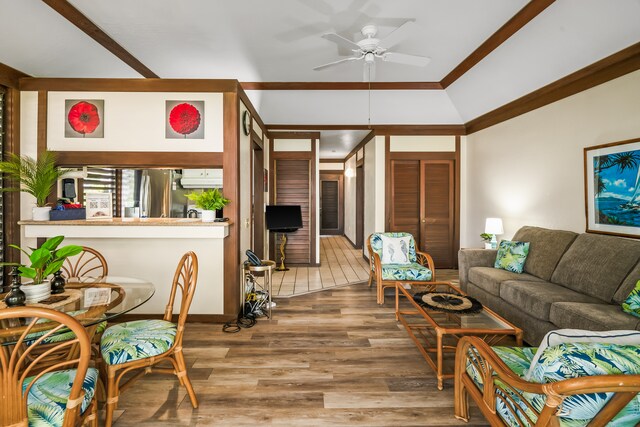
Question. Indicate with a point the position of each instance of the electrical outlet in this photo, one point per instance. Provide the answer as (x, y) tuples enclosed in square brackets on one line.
[(247, 223)]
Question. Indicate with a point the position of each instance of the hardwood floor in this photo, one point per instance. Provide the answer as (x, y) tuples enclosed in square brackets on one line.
[(328, 358), (340, 264)]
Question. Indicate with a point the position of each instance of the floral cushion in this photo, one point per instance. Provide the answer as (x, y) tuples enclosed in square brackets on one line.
[(47, 398), (62, 336), (376, 243), (137, 340), (413, 271), (632, 304), (512, 256), (562, 362)]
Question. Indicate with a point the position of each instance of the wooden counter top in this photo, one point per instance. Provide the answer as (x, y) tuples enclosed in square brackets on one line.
[(171, 222)]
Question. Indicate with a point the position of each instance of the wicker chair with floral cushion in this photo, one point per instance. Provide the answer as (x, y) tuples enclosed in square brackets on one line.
[(572, 384), (52, 388), (415, 266), (142, 344)]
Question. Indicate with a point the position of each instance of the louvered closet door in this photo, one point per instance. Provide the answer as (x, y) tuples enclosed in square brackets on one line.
[(329, 201), (405, 193), (437, 214), (293, 188)]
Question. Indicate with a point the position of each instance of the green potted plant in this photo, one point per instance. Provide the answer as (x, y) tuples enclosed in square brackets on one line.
[(43, 261), (486, 238), (209, 201), (36, 177)]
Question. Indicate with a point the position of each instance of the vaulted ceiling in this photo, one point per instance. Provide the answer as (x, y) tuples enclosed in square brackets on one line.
[(280, 41)]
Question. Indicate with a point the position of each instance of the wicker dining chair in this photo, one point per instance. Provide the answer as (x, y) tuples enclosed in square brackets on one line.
[(35, 391), (146, 343), (88, 263)]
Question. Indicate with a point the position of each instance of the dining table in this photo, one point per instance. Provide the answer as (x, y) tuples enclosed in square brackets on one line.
[(90, 300)]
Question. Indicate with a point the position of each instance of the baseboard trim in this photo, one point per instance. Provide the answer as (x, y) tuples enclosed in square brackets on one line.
[(192, 318), (349, 240)]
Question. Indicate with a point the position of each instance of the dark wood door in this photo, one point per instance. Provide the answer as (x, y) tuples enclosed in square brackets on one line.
[(258, 201), (405, 197), (293, 187), (359, 206), (437, 214), (331, 203)]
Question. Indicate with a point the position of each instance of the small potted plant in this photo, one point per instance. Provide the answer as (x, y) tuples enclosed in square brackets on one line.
[(486, 238), (43, 261), (36, 177), (209, 201)]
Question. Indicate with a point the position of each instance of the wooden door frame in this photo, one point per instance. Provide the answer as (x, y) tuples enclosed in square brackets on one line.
[(256, 145), (359, 206), (329, 175), (449, 155)]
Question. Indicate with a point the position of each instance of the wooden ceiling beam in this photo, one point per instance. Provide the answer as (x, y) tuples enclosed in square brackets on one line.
[(382, 129), (77, 18), (340, 85), (512, 26), (10, 77)]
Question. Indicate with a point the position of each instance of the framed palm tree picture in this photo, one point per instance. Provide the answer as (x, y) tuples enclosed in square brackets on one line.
[(612, 188)]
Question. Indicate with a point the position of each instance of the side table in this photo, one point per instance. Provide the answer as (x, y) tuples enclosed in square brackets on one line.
[(265, 271)]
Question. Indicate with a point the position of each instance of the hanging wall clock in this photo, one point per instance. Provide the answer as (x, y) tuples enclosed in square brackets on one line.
[(246, 122)]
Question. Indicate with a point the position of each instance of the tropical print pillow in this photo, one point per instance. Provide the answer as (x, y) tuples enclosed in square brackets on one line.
[(512, 256), (376, 243), (395, 250), (632, 304)]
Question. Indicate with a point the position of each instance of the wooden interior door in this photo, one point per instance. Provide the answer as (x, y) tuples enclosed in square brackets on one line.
[(437, 211), (257, 201), (405, 197), (359, 206), (293, 187), (331, 203)]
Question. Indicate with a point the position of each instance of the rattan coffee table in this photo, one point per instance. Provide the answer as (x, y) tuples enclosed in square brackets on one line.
[(436, 333)]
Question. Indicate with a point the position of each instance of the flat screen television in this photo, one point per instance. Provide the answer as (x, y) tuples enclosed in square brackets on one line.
[(284, 218)]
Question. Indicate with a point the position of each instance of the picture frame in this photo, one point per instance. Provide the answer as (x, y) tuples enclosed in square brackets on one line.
[(99, 206), (84, 118), (184, 119), (612, 188)]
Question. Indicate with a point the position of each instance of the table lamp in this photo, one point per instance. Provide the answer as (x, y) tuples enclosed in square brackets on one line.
[(493, 226)]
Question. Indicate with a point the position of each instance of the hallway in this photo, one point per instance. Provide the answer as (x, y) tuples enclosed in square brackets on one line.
[(340, 264)]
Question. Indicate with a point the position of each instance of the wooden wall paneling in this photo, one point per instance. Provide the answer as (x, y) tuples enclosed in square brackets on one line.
[(338, 177), (140, 159), (42, 138), (437, 211), (405, 196), (129, 85), (77, 18), (11, 201), (231, 185)]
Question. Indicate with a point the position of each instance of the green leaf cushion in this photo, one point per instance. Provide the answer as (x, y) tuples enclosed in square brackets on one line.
[(47, 399), (632, 304), (376, 243), (512, 256), (137, 340), (413, 271), (518, 359), (65, 335)]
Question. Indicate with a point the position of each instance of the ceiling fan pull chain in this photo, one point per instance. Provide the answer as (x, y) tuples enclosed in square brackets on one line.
[(369, 120)]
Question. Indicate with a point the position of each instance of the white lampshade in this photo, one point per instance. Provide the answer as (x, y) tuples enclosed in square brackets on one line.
[(493, 226)]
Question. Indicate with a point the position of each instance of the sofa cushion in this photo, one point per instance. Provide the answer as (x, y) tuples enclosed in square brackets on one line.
[(595, 317), (413, 271), (596, 265), (546, 247), (489, 278), (632, 304), (627, 285), (536, 298)]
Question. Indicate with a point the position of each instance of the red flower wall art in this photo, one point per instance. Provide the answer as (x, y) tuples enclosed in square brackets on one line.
[(185, 119), (84, 118)]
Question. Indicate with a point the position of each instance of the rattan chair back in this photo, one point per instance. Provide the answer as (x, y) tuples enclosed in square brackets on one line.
[(18, 362), (185, 278), (88, 263)]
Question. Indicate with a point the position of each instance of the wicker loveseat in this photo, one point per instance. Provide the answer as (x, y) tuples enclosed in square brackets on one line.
[(574, 384)]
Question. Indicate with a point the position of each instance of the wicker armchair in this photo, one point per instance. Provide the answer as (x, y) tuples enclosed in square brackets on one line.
[(493, 378), (420, 268)]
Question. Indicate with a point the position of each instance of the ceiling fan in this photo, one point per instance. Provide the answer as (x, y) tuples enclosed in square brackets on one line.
[(370, 48)]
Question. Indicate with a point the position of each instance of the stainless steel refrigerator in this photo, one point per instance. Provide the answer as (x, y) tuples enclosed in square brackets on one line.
[(158, 193)]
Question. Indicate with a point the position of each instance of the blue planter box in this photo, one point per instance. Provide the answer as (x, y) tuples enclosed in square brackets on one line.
[(68, 214)]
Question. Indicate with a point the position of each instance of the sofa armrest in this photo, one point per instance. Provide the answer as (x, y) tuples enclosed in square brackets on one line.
[(468, 258)]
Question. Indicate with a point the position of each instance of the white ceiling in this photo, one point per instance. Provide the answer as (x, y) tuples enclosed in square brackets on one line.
[(336, 144), (280, 40)]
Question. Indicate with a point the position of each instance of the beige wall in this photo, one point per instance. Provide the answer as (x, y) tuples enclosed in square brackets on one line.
[(350, 198), (529, 170), (374, 188)]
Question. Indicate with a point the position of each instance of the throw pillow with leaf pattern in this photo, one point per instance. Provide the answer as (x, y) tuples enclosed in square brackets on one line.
[(632, 304), (512, 256)]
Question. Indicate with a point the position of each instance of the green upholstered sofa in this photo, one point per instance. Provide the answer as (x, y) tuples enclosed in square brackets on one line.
[(570, 280)]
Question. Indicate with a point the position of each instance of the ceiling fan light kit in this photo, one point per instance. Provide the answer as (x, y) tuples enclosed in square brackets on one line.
[(371, 48)]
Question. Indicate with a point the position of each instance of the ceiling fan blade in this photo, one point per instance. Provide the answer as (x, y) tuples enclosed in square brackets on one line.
[(369, 74), (397, 35), (331, 64), (403, 58), (341, 41)]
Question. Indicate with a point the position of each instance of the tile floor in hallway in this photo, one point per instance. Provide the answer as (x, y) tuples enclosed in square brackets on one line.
[(340, 264)]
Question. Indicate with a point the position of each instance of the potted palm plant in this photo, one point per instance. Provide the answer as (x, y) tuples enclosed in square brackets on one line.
[(43, 262), (209, 201), (486, 238), (35, 177)]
